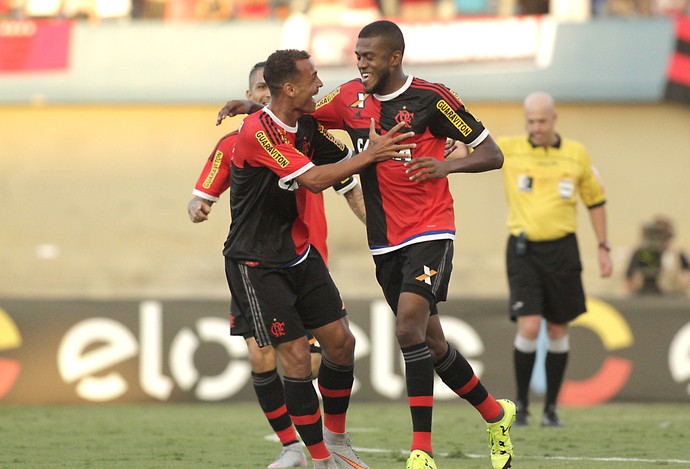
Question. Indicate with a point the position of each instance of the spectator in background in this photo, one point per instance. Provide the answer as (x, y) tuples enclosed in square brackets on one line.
[(656, 268)]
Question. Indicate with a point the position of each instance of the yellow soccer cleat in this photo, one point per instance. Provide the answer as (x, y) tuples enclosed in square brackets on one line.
[(499, 436), (420, 460)]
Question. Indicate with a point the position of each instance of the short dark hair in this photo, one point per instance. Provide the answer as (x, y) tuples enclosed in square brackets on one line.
[(389, 31), (257, 66), (281, 68)]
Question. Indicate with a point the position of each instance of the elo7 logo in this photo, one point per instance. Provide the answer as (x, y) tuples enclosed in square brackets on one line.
[(9, 339)]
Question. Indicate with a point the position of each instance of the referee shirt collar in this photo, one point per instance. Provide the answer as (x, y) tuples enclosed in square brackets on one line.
[(555, 145)]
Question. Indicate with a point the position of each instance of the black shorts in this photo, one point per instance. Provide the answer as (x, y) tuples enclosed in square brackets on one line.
[(283, 304), (546, 280), (421, 268), (240, 327)]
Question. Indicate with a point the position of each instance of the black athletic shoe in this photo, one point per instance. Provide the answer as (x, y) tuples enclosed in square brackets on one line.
[(521, 415), (550, 418)]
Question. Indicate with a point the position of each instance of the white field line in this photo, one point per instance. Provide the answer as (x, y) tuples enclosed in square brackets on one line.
[(272, 437)]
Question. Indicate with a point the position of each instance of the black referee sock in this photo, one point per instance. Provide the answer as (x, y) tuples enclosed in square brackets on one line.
[(524, 364), (555, 371)]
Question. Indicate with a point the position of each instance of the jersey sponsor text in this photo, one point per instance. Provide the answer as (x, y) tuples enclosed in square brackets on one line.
[(453, 117), (271, 150)]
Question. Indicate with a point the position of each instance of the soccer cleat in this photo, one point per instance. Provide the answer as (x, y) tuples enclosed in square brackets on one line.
[(325, 463), (499, 436), (341, 448), (550, 418), (291, 456), (420, 460)]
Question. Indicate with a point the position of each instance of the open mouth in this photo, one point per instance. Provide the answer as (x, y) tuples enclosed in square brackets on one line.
[(366, 76)]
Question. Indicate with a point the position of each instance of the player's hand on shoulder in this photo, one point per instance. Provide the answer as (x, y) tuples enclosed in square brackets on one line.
[(235, 107), (387, 146), (198, 209)]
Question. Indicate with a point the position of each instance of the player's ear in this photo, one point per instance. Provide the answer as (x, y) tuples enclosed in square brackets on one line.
[(396, 58), (289, 89)]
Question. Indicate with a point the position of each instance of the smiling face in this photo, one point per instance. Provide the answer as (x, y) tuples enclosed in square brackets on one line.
[(258, 89), (375, 63), (307, 86)]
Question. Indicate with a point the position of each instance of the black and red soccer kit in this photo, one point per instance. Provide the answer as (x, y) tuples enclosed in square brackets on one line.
[(214, 180), (269, 263), (400, 212)]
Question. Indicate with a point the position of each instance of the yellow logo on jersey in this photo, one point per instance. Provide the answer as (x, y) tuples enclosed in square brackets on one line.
[(271, 150), (331, 138), (217, 158), (328, 98), (453, 117)]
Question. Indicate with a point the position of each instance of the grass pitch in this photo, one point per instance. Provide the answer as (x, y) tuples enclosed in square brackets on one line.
[(237, 436)]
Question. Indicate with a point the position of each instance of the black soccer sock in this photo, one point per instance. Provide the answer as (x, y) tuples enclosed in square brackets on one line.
[(555, 371), (269, 390), (335, 386), (457, 373), (303, 405), (419, 375), (524, 364)]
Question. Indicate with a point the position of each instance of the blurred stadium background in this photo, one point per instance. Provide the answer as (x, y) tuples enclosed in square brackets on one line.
[(107, 112)]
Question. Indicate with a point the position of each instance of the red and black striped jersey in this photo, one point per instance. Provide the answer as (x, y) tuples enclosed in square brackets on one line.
[(214, 180), (399, 211), (270, 213)]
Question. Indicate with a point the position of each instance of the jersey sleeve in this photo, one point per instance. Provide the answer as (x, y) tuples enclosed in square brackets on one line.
[(215, 176), (326, 148), (451, 119), (261, 144), (327, 110), (591, 186), (346, 185)]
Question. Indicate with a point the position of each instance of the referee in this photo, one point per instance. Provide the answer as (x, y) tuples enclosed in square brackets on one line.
[(543, 175)]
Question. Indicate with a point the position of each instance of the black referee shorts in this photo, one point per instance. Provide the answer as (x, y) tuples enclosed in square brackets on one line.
[(546, 279)]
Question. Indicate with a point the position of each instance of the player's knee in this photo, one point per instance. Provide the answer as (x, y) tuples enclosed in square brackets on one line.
[(262, 359)]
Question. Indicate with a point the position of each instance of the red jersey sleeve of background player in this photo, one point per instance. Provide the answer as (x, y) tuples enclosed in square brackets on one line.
[(215, 177), (262, 142), (328, 112)]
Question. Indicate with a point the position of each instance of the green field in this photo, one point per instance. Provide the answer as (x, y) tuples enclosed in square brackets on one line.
[(237, 436)]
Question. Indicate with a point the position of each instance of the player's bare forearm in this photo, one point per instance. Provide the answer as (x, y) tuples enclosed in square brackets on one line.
[(486, 156), (598, 217), (355, 199)]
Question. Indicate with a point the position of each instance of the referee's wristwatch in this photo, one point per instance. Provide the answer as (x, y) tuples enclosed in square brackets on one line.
[(605, 246)]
